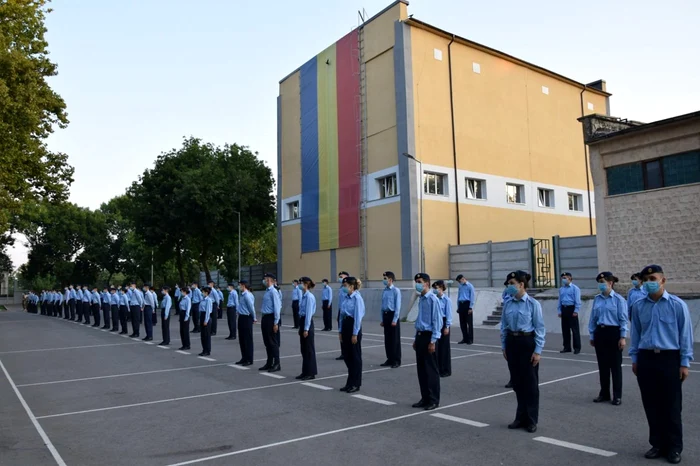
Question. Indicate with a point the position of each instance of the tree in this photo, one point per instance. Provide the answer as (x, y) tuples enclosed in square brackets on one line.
[(29, 111)]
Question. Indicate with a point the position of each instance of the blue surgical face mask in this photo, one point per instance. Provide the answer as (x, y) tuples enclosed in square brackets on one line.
[(386, 282), (300, 287), (564, 281), (602, 287), (512, 290), (345, 290), (264, 282), (419, 287), (651, 287), (635, 283), (436, 291)]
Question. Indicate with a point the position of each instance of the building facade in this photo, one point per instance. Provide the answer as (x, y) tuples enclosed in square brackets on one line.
[(647, 187), (402, 139)]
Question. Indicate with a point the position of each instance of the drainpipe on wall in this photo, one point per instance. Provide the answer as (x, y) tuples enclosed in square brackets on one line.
[(585, 160), (454, 140)]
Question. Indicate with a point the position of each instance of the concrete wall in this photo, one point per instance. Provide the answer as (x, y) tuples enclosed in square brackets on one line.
[(579, 257), (487, 264)]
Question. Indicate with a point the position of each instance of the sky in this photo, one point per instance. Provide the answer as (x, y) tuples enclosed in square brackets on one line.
[(139, 75)]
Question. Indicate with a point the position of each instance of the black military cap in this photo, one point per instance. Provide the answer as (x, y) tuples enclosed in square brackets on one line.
[(422, 276), (112, 289), (567, 274), (305, 279), (650, 269), (270, 275), (349, 279), (459, 277), (166, 288), (344, 273), (232, 284), (146, 285), (518, 275), (243, 282), (206, 289), (389, 274), (604, 276)]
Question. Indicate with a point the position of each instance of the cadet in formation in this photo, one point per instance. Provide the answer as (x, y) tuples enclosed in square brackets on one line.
[(231, 307), (95, 301), (341, 297), (205, 311), (428, 329), (352, 312), (568, 307), (114, 308), (214, 296), (123, 311), (86, 305), (522, 340), (327, 305), (196, 297), (465, 309), (607, 328), (635, 293), (270, 321), (443, 348), (389, 320), (661, 350), (136, 303), (246, 319), (296, 296), (66, 303), (307, 309), (165, 304), (185, 308), (106, 308)]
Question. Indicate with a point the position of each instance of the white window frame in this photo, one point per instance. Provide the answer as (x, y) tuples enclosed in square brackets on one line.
[(442, 176), (578, 199), (470, 193), (520, 193), (290, 210), (382, 186), (545, 198)]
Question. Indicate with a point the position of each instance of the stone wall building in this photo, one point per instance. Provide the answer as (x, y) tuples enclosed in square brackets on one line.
[(646, 179)]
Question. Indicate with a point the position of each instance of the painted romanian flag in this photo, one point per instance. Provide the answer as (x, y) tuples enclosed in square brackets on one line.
[(330, 148)]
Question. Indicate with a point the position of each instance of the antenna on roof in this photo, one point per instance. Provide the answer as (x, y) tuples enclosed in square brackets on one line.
[(362, 15)]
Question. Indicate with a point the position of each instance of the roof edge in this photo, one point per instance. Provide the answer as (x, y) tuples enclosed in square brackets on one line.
[(637, 127)]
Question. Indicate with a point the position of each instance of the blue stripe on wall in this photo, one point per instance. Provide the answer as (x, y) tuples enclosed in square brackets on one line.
[(309, 156)]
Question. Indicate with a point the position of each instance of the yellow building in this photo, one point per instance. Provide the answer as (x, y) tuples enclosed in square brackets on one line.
[(402, 139)]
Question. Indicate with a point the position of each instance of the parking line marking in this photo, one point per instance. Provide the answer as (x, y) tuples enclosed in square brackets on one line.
[(182, 352), (148, 342), (104, 330), (239, 367), (574, 446), (374, 400), (66, 348), (207, 359), (274, 376), (314, 385), (460, 420), (162, 347)]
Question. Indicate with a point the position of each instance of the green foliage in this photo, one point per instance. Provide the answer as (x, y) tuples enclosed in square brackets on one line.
[(29, 110)]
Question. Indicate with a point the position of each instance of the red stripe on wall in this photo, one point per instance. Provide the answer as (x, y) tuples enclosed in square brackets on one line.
[(348, 85)]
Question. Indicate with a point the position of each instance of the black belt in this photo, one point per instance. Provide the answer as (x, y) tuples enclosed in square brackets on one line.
[(520, 334), (607, 326), (388, 311), (659, 351)]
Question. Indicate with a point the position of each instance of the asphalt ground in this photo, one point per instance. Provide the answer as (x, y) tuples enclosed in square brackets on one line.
[(74, 395)]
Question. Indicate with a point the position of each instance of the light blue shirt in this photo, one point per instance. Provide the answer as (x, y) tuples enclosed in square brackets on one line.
[(178, 293), (634, 295), (353, 306), (78, 295), (391, 301), (114, 299), (608, 310), (446, 309), (72, 294), (136, 298), (247, 304), (186, 305), (466, 293), (327, 294), (148, 299), (66, 295), (429, 317), (86, 296), (205, 307), (569, 295), (196, 296), (307, 309), (272, 304), (220, 295), (341, 297), (663, 325), (167, 304), (523, 315), (296, 294), (232, 299), (95, 298)]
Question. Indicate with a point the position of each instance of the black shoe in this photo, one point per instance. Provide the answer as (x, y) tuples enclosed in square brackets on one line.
[(209, 354), (462, 342), (300, 377), (238, 363), (230, 338), (353, 389), (515, 425), (509, 384), (339, 358), (105, 327), (532, 428), (600, 399), (295, 328), (95, 325), (577, 351), (247, 363), (653, 453), (396, 365), (445, 374), (311, 377), (430, 407), (275, 368), (123, 333), (470, 342), (616, 402), (147, 339), (674, 457), (202, 354), (420, 404), (213, 333), (133, 335), (187, 348), (565, 351), (385, 364), (345, 389), (265, 367), (195, 331), (114, 330), (181, 348)]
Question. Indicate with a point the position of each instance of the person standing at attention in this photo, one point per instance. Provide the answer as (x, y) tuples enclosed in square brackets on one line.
[(307, 309), (149, 306), (205, 308), (214, 296), (522, 340), (661, 350), (136, 307), (271, 309), (231, 306), (327, 304), (296, 296), (635, 293), (196, 297), (165, 304), (350, 332), (391, 313), (246, 319), (443, 348), (465, 309), (177, 295), (123, 311), (185, 308), (607, 328), (114, 308), (428, 329), (341, 297), (568, 307)]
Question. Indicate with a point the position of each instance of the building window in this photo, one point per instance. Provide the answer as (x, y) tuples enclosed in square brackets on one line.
[(435, 183), (387, 186), (293, 210), (681, 169), (575, 202), (624, 179), (545, 197), (671, 170), (653, 175), (476, 189), (515, 193)]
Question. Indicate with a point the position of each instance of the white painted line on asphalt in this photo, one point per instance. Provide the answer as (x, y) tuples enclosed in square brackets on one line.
[(361, 426), (274, 376), (460, 420), (574, 446), (162, 347), (103, 329), (374, 400), (239, 367), (66, 348), (47, 441), (206, 359), (182, 352), (126, 336), (315, 385), (148, 342)]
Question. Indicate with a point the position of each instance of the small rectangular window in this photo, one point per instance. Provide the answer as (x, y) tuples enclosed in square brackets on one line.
[(653, 175), (476, 189), (545, 197), (575, 202), (434, 183), (515, 193), (293, 210), (387, 186)]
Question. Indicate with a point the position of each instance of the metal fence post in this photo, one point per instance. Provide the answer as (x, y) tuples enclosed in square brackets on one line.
[(489, 258), (532, 261), (557, 259)]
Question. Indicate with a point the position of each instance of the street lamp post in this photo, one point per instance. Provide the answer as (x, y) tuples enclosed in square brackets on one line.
[(420, 186), (239, 244)]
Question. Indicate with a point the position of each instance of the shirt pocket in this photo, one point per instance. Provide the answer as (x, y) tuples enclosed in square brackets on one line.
[(668, 317), (524, 319)]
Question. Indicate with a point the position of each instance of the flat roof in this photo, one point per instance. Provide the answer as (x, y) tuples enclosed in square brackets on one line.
[(645, 127)]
